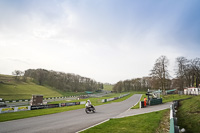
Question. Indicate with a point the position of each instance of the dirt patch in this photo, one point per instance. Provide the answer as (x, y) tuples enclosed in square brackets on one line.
[(196, 112), (164, 125)]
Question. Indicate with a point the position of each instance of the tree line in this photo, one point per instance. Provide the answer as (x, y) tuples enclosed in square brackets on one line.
[(187, 75), (62, 81)]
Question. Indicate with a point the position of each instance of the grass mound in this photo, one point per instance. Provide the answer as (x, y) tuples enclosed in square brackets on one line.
[(11, 89)]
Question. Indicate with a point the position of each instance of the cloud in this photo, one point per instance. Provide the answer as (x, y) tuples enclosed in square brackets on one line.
[(105, 40)]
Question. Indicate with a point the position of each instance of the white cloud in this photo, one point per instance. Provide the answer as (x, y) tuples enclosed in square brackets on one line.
[(92, 40)]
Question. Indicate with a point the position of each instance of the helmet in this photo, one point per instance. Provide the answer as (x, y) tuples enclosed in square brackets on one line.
[(88, 100)]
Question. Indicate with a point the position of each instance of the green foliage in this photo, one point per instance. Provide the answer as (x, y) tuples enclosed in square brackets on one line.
[(137, 84), (145, 123), (189, 115)]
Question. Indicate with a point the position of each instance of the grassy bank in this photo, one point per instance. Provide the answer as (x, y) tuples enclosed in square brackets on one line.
[(107, 87), (11, 89), (24, 91), (172, 97), (189, 115), (145, 123)]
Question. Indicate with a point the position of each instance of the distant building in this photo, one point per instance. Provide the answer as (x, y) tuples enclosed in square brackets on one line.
[(192, 91)]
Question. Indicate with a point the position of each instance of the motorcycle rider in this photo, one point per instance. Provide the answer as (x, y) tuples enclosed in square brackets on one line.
[(88, 104), (89, 107)]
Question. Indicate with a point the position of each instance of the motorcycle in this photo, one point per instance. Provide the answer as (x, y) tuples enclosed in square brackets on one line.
[(90, 109)]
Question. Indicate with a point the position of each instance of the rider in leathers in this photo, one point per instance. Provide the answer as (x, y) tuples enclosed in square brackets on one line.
[(88, 104)]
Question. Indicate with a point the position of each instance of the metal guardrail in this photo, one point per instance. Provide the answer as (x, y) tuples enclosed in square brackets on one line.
[(14, 101), (174, 128), (114, 98)]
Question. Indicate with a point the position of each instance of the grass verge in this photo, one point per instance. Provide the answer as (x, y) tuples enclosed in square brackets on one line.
[(144, 123), (189, 115), (172, 97), (33, 113)]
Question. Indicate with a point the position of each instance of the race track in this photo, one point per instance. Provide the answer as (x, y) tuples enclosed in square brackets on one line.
[(69, 121)]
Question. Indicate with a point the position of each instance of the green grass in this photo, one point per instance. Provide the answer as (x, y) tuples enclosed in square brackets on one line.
[(33, 113), (172, 97), (25, 90), (189, 115), (11, 89), (145, 123), (107, 87)]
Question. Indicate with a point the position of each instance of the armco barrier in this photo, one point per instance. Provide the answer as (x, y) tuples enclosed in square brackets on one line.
[(83, 102), (173, 120), (114, 98), (15, 101)]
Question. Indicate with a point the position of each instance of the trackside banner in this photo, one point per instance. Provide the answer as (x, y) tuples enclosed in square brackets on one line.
[(14, 109)]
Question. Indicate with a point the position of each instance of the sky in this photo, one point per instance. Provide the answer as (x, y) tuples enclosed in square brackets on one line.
[(105, 40)]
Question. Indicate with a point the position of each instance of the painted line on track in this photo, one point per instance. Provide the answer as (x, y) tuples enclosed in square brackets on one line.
[(106, 119), (144, 112), (129, 108), (92, 126)]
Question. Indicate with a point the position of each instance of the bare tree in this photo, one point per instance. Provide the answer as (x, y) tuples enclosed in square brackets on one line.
[(181, 71), (195, 65), (17, 74), (160, 71)]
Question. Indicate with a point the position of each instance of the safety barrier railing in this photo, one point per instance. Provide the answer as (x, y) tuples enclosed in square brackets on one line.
[(173, 120)]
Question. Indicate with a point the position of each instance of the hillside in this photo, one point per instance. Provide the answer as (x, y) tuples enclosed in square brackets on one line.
[(108, 87), (10, 89)]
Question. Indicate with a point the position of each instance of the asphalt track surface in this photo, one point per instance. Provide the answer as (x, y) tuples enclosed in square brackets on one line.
[(69, 121)]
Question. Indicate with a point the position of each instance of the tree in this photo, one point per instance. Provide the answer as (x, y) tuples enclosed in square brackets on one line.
[(63, 81), (160, 71), (17, 74), (195, 65), (118, 87), (181, 71)]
